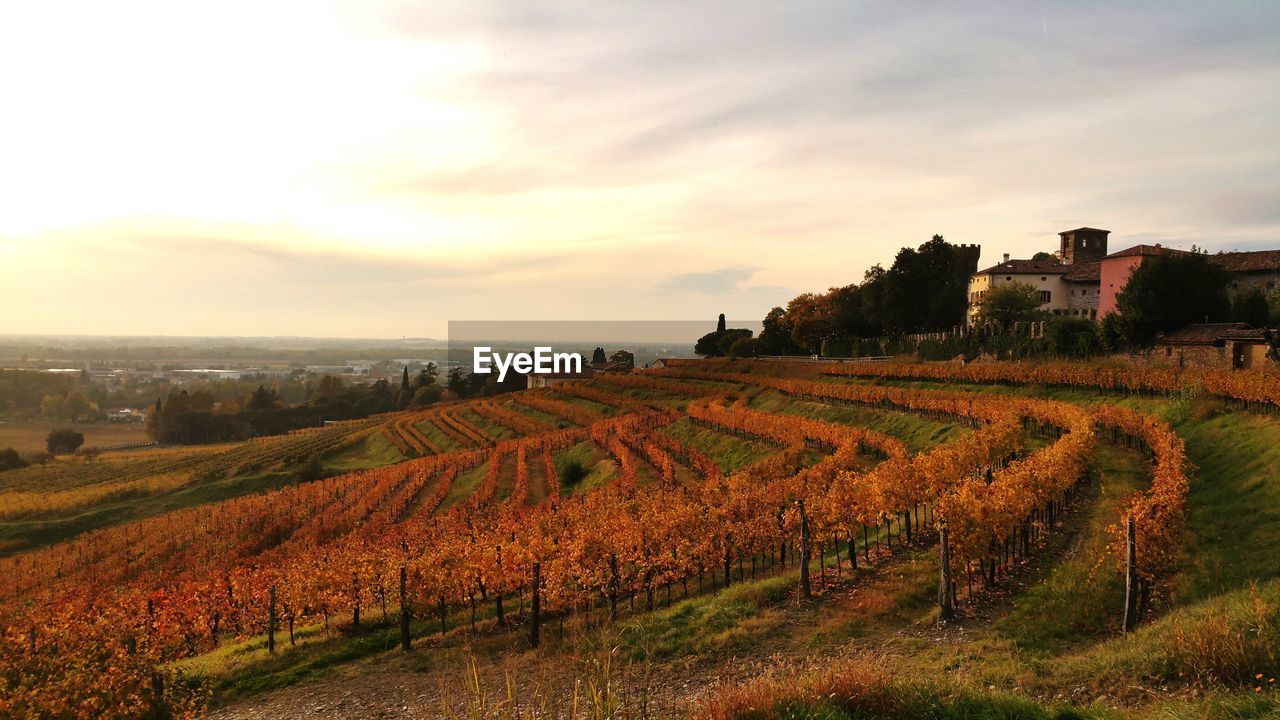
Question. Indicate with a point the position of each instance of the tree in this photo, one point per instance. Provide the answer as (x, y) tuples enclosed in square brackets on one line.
[(329, 386), (1250, 306), (847, 318), (404, 380), (775, 334), (925, 289), (1168, 291), (1044, 257), (810, 318), (1009, 302), (426, 395), (874, 284), (53, 406), (717, 344), (598, 356), (75, 405), (720, 323), (744, 347), (10, 460), (263, 398), (1072, 337), (456, 381), (63, 440), (426, 376)]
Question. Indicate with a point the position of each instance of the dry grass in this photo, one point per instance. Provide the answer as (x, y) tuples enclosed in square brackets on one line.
[(28, 437)]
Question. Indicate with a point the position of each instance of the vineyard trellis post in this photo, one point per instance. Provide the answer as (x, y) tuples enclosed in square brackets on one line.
[(271, 620), (405, 610), (1130, 576), (613, 586), (804, 551), (536, 604), (946, 610)]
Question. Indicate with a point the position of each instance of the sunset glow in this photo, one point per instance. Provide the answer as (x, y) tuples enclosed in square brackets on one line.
[(376, 169)]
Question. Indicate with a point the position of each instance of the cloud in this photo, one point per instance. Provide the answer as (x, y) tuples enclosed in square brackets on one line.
[(713, 282), (384, 166)]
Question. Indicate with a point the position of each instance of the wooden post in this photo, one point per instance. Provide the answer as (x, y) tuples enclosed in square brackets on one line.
[(536, 604), (613, 586), (502, 616), (271, 620), (804, 552), (355, 595), (946, 610), (1131, 576), (405, 610)]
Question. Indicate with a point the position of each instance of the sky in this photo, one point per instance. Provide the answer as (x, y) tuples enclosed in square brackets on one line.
[(377, 169)]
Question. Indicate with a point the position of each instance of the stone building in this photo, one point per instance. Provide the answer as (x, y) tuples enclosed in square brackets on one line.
[(1213, 345)]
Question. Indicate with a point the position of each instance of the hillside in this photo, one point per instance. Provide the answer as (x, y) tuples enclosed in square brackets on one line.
[(720, 539)]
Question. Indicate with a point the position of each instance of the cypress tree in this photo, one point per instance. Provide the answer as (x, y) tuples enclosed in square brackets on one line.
[(720, 323), (404, 379)]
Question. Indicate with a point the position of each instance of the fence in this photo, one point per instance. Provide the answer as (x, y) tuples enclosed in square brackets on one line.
[(821, 359)]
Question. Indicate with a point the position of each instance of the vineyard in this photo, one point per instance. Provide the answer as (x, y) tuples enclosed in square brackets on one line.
[(464, 520)]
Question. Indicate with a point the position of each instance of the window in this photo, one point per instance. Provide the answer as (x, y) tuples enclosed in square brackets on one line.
[(1008, 277), (1043, 278), (1045, 296)]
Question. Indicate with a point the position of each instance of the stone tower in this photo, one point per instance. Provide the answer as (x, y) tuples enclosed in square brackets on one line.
[(1083, 245), (967, 257)]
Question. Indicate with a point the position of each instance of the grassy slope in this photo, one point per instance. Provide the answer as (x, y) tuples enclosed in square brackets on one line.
[(29, 437), (729, 452), (373, 450)]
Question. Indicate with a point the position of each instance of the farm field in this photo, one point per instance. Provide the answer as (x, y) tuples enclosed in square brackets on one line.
[(714, 539), (29, 436)]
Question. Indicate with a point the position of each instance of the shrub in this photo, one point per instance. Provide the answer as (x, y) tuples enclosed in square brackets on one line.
[(63, 440), (572, 474), (10, 460)]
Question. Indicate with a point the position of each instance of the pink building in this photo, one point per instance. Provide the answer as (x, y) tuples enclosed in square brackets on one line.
[(1258, 268), (1116, 269)]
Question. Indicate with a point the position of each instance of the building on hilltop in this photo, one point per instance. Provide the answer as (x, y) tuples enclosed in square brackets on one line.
[(1044, 275), (1068, 284), (1084, 280), (1251, 269)]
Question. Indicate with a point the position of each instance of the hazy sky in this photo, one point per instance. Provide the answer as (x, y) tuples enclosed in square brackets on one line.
[(376, 169)]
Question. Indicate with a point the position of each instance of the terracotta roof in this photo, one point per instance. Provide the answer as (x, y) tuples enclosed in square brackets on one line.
[(1026, 267), (1256, 261), (1143, 250), (1212, 333), (1236, 262), (1090, 272)]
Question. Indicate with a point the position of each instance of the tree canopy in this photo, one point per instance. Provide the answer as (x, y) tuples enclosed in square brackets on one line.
[(63, 440), (1009, 302), (1169, 291)]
